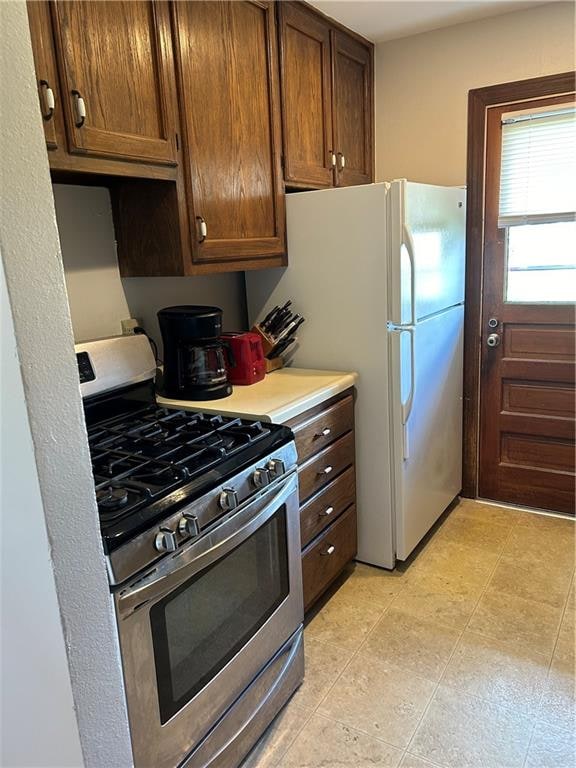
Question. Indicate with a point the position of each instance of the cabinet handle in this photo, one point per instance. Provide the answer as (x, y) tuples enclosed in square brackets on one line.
[(326, 512), (49, 101), (342, 161), (331, 549), (202, 228), (332, 157), (325, 471), (80, 107), (324, 433)]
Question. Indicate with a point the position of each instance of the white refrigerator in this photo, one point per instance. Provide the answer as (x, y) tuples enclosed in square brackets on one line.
[(378, 272)]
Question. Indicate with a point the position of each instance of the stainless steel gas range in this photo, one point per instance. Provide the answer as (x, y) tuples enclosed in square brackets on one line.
[(199, 519)]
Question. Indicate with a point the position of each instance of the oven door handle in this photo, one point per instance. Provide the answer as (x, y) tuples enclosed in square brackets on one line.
[(201, 554)]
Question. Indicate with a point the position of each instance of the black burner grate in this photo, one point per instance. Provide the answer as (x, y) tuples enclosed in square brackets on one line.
[(145, 456)]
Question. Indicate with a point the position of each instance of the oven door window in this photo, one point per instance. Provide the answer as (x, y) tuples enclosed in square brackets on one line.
[(203, 623)]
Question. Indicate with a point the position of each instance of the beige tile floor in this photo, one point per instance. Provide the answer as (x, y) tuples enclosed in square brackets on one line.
[(463, 658)]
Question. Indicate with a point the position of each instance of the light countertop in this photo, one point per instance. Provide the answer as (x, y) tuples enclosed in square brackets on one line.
[(281, 395)]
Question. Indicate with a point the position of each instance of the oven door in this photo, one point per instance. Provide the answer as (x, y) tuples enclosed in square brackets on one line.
[(195, 632)]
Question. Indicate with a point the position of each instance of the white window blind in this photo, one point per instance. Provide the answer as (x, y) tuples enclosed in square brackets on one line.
[(538, 167)]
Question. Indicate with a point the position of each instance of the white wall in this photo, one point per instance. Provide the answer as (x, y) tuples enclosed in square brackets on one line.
[(422, 85), (44, 343), (99, 299), (36, 692)]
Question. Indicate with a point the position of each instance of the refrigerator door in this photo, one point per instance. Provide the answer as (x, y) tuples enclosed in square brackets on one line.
[(337, 279), (427, 249), (426, 415)]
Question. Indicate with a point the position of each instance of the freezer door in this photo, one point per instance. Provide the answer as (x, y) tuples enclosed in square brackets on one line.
[(426, 409), (427, 249)]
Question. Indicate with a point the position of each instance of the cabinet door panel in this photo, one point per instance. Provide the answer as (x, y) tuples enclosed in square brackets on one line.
[(46, 72), (352, 102), (117, 57), (229, 92), (306, 84)]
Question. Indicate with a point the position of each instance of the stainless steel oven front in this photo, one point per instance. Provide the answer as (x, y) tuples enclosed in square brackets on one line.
[(198, 631)]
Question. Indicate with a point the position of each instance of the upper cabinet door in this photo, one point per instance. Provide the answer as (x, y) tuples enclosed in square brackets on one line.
[(306, 81), (117, 79), (227, 58), (46, 73), (352, 100)]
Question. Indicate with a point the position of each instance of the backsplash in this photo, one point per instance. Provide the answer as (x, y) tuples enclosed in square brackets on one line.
[(100, 299)]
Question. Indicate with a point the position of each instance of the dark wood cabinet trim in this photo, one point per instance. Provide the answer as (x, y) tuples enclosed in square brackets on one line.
[(479, 100), (331, 22)]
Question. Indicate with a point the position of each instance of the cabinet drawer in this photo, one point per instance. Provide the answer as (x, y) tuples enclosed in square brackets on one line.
[(324, 559), (322, 468), (315, 515), (322, 429)]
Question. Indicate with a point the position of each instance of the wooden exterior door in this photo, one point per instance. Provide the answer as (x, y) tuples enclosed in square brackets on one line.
[(527, 426), (352, 110), (306, 80), (116, 67), (46, 73), (228, 65)]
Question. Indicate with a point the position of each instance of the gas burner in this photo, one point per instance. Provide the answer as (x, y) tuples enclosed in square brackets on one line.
[(112, 498)]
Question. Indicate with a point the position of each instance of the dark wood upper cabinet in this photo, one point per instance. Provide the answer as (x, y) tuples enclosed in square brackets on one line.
[(229, 104), (352, 99), (327, 88), (46, 74), (116, 71), (306, 76)]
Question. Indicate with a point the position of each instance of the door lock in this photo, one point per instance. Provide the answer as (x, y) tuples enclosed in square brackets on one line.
[(493, 323), (493, 340)]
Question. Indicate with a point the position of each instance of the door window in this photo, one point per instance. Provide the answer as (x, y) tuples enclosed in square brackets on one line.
[(200, 626), (537, 204)]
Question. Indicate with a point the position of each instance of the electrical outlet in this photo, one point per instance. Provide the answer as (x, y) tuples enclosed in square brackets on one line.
[(128, 326)]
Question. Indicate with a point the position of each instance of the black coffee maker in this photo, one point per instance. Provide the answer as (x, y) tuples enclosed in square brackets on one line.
[(194, 361)]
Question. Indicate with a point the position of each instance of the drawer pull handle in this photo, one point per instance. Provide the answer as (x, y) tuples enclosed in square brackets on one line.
[(324, 433), (331, 549), (326, 512), (325, 471)]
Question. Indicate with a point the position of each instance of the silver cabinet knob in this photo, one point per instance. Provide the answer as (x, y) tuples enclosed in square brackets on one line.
[(189, 525), (327, 512), (325, 471), (331, 549), (276, 467), (493, 340), (228, 499), (165, 540), (261, 477), (324, 433)]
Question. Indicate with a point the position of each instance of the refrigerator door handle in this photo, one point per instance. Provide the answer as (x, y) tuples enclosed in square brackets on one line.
[(407, 406), (408, 243)]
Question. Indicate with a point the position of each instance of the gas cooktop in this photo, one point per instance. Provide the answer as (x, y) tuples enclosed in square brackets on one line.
[(157, 458)]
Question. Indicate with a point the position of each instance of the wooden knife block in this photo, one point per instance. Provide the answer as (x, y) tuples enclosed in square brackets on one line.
[(274, 363)]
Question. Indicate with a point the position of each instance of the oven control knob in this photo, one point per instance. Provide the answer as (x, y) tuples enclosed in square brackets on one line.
[(261, 477), (228, 499), (276, 467), (189, 525), (165, 540)]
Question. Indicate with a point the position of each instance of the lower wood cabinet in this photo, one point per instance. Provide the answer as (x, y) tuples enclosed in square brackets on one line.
[(327, 555), (326, 474)]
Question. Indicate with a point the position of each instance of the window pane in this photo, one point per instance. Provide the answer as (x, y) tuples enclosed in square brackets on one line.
[(541, 263)]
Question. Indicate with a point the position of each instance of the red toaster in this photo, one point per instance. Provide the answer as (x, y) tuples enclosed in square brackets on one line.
[(245, 358)]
